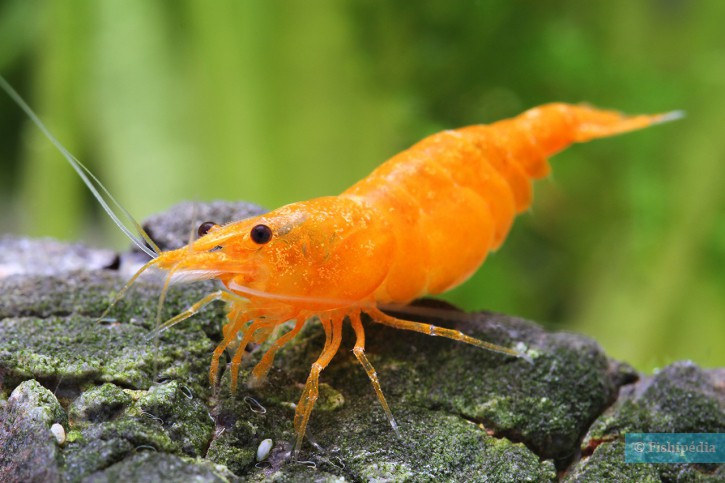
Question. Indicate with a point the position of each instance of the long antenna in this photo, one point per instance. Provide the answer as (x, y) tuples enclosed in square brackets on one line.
[(142, 241)]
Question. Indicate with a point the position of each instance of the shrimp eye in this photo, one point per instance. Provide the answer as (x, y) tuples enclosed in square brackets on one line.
[(205, 227), (261, 234)]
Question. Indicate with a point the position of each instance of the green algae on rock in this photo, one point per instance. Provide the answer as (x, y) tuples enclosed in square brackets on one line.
[(151, 467), (51, 332), (109, 421), (681, 398), (547, 405)]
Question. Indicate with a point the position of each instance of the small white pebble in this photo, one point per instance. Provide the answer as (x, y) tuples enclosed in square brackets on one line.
[(264, 448), (58, 432)]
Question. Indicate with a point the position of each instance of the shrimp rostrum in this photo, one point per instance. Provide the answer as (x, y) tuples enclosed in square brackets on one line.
[(420, 224)]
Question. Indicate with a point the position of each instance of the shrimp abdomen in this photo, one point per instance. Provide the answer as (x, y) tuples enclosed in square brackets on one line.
[(451, 198)]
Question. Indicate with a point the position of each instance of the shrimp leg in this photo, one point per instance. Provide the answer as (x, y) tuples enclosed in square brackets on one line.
[(238, 315), (430, 329), (230, 329), (239, 353), (311, 391), (327, 328), (230, 332), (260, 371), (212, 297), (359, 352)]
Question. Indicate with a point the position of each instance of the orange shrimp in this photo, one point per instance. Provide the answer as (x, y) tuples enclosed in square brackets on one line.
[(420, 224)]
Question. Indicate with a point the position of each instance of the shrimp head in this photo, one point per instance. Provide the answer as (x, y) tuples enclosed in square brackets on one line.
[(307, 254)]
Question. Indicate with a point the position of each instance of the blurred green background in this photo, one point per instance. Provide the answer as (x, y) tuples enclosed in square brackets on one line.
[(275, 102)]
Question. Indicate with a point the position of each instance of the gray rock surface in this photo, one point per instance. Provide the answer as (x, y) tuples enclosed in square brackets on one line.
[(681, 398), (138, 406), (25, 256), (28, 449)]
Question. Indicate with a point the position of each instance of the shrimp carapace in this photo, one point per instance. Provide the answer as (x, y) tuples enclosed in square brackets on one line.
[(419, 224)]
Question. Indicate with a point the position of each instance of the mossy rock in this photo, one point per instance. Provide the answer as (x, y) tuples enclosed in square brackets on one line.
[(681, 398), (140, 407)]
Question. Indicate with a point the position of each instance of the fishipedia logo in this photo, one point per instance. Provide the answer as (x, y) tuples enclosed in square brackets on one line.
[(674, 448)]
